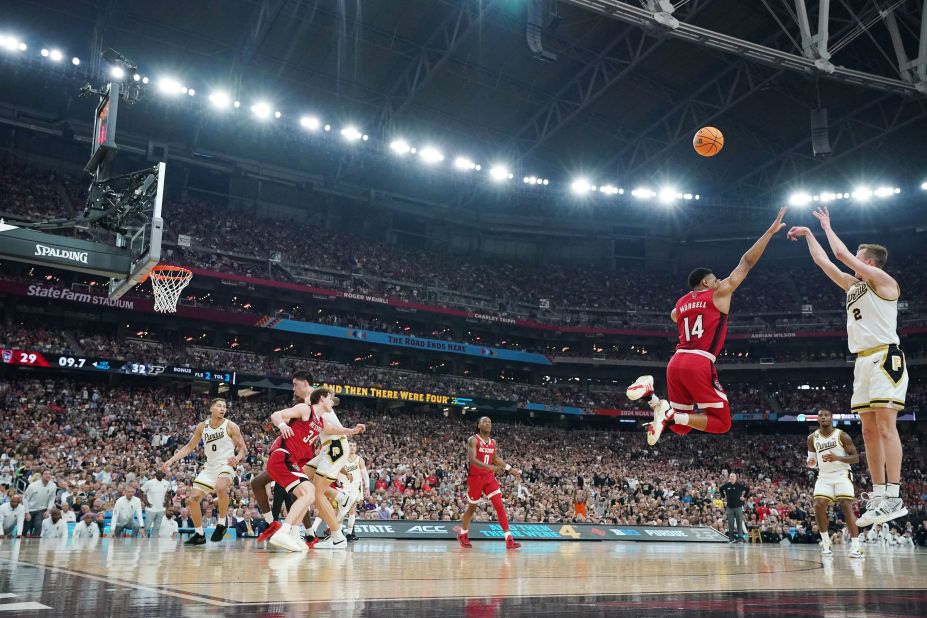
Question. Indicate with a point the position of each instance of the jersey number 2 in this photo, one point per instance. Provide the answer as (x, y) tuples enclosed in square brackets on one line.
[(857, 314), (696, 331)]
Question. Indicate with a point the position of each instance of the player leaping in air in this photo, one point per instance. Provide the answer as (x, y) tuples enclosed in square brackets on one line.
[(691, 377), (485, 462)]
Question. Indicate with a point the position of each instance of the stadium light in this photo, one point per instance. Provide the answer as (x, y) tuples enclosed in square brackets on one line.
[(581, 186), (75, 61), (884, 192), (191, 92), (277, 114), (351, 133), (667, 195), (463, 163), (137, 77), (11, 43), (431, 155), (862, 194), (145, 81), (400, 147), (310, 122), (609, 190), (169, 85), (499, 173), (643, 193), (117, 73), (220, 99), (924, 186), (55, 55), (261, 110), (799, 199)]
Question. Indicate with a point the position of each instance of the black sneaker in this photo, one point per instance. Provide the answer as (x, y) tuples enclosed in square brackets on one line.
[(351, 537), (196, 539), (218, 533)]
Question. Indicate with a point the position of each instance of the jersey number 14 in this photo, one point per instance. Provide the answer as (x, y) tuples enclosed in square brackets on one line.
[(696, 331)]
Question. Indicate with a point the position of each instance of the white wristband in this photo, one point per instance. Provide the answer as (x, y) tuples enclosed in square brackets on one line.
[(281, 424), (508, 467)]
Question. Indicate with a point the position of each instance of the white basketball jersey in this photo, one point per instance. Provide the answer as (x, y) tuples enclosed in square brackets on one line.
[(354, 468), (218, 445), (830, 444), (871, 320)]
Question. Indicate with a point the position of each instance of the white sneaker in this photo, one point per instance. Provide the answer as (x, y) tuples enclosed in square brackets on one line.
[(881, 509), (857, 551), (642, 387), (872, 503), (661, 414), (335, 541), (285, 540), (826, 550), (342, 499)]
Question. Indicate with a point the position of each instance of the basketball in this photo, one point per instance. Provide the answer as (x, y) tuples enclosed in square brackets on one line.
[(708, 141)]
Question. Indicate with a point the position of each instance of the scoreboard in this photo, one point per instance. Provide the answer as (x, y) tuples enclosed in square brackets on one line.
[(47, 360)]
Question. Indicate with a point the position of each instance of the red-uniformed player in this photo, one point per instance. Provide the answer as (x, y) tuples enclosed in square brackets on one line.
[(485, 462), (691, 378), (299, 427)]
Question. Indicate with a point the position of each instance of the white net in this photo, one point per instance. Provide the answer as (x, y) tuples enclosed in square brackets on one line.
[(168, 282)]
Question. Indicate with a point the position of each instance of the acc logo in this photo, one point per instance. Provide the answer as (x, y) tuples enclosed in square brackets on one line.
[(7, 355), (624, 532), (427, 530)]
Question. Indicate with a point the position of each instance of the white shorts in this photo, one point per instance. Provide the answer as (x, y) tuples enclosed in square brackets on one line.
[(331, 459), (208, 477), (880, 379), (835, 487)]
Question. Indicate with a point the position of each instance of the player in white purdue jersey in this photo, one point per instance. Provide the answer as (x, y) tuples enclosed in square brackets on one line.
[(225, 448), (357, 488), (832, 451), (327, 465), (880, 377)]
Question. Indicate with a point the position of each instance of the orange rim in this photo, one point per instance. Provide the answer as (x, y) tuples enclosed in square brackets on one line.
[(168, 273)]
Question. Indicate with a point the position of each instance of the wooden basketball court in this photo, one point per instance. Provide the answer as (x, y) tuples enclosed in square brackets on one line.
[(147, 577)]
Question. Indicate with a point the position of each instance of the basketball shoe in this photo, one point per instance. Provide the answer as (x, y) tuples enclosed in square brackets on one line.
[(285, 540), (641, 389), (511, 543), (218, 533), (856, 550), (335, 541), (662, 417), (269, 532), (464, 540), (196, 539), (880, 509), (826, 550)]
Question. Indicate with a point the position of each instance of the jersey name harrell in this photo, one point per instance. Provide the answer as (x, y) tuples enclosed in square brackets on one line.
[(856, 292), (213, 437), (696, 305)]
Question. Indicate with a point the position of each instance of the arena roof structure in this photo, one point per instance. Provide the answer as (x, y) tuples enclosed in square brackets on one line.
[(612, 90)]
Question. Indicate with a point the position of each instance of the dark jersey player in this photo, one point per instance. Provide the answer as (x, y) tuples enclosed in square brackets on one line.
[(691, 377)]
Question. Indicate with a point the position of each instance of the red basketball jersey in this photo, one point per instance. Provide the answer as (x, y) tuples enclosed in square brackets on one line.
[(701, 326), (485, 453), (301, 445)]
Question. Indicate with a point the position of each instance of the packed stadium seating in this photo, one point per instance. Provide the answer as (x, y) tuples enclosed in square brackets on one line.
[(110, 435)]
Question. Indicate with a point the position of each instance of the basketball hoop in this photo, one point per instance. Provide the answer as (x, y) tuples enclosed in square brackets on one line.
[(168, 282)]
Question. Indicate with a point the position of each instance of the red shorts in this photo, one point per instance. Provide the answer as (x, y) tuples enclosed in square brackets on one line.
[(483, 484), (284, 470), (692, 381)]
